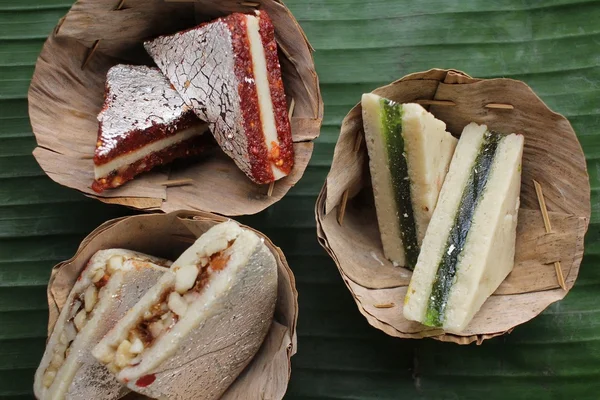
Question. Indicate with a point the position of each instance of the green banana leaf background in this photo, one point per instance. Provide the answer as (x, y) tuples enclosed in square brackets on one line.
[(553, 45)]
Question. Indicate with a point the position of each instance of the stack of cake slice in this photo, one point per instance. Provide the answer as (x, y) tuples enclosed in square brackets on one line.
[(225, 72), (449, 215)]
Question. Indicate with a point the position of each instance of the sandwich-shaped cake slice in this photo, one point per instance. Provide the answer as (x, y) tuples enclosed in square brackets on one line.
[(409, 154), (112, 282), (191, 335), (228, 72), (143, 123), (469, 247)]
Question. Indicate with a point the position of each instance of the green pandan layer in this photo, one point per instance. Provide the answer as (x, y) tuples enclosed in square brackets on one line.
[(457, 237), (391, 119)]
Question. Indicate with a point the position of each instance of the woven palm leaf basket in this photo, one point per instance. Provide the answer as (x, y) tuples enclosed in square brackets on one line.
[(552, 220)]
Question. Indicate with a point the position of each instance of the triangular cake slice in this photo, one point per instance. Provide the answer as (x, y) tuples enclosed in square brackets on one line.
[(409, 153), (469, 247), (111, 283), (143, 123), (228, 72)]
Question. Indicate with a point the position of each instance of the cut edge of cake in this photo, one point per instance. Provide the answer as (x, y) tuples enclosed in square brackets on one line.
[(427, 150), (467, 290), (383, 192)]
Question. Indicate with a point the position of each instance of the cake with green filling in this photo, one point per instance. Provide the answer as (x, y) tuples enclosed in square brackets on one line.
[(469, 247), (409, 154)]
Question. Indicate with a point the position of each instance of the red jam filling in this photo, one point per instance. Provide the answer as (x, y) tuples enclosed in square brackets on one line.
[(146, 380), (285, 160)]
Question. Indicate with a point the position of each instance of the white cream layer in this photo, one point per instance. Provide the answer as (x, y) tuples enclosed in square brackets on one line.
[(100, 171), (265, 104)]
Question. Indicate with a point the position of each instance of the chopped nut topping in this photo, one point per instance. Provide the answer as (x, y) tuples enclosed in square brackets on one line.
[(80, 320), (177, 304), (190, 280), (98, 275), (115, 263), (136, 346), (90, 297), (81, 307), (185, 278), (49, 377), (123, 355)]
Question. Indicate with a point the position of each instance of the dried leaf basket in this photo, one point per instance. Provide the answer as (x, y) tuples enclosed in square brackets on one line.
[(167, 235), (67, 90), (553, 218)]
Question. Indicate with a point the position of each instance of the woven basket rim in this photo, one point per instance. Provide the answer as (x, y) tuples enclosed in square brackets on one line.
[(173, 190)]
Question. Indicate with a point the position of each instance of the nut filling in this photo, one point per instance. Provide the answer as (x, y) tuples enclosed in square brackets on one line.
[(190, 280), (81, 311)]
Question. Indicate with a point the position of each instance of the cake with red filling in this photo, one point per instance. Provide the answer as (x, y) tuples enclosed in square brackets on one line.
[(143, 123), (228, 72)]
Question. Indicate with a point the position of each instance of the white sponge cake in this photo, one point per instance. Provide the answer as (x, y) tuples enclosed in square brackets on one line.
[(409, 153), (470, 244)]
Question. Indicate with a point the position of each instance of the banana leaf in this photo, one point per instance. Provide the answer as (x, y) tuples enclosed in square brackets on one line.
[(552, 45)]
